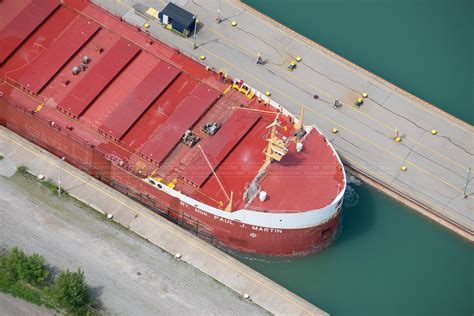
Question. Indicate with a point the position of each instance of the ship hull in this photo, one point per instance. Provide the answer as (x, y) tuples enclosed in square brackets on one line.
[(218, 230)]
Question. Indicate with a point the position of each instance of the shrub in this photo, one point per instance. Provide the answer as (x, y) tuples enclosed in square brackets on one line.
[(71, 292), (17, 266)]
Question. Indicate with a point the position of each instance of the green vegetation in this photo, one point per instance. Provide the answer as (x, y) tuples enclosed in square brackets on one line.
[(71, 292), (27, 277), (1, 157), (53, 187), (22, 169)]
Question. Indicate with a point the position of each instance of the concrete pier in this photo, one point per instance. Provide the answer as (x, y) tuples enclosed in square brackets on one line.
[(425, 169)]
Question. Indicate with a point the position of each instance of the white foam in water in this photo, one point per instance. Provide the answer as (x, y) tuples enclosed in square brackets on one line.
[(353, 180), (351, 198)]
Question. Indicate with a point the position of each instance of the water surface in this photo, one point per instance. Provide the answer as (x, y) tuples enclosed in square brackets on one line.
[(389, 260)]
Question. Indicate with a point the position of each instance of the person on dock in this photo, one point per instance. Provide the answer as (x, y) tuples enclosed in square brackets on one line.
[(259, 59)]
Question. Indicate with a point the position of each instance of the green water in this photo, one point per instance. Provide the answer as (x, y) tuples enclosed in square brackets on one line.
[(389, 260)]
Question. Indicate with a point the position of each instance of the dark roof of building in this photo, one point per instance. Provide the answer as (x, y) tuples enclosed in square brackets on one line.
[(178, 14)]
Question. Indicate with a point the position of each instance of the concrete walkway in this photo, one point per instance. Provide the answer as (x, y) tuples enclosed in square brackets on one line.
[(173, 239), (436, 164)]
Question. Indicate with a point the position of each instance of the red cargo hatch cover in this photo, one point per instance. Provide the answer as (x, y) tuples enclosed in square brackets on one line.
[(139, 100), (17, 31), (220, 145), (61, 50), (98, 77), (162, 141)]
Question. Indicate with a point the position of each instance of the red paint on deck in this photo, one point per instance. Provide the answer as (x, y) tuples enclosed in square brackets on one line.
[(98, 77), (25, 23), (10, 9), (240, 167), (139, 99), (314, 175), (220, 145), (159, 112), (159, 145), (58, 53)]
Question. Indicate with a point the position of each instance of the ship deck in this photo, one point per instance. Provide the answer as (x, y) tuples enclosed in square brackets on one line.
[(136, 97)]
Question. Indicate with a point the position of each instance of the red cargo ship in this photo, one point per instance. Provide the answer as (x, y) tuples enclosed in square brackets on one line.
[(204, 150)]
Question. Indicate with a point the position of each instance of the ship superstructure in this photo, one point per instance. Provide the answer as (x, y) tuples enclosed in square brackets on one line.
[(197, 146)]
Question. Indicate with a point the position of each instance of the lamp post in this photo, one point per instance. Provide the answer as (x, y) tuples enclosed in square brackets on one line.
[(59, 176), (195, 30), (467, 183), (219, 19)]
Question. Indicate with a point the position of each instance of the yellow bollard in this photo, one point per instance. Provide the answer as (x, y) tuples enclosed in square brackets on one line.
[(298, 59), (146, 25), (434, 132), (202, 57), (404, 168), (268, 93), (334, 130), (398, 139), (234, 23), (365, 95)]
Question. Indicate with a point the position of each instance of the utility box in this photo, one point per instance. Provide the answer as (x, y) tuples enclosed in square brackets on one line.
[(178, 19)]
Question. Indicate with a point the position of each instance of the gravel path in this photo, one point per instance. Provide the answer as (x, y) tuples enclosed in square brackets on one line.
[(128, 274), (13, 306)]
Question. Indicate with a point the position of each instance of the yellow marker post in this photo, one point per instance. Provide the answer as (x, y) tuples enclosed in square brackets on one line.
[(234, 23), (434, 132), (334, 130), (404, 168), (268, 93), (202, 57)]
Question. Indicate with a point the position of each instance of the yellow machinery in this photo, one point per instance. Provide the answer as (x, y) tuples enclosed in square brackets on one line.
[(244, 89)]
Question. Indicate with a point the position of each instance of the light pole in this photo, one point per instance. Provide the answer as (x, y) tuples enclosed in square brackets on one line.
[(467, 182), (195, 30), (218, 19), (59, 176)]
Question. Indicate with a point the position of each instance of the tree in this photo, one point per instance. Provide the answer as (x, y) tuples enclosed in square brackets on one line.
[(17, 266), (71, 292)]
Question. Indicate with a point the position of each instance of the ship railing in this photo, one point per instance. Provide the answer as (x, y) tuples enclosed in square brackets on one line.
[(52, 124), (192, 224), (20, 107), (257, 209), (23, 88)]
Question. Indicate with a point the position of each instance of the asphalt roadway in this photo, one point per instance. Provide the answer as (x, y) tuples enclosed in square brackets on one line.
[(436, 165)]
